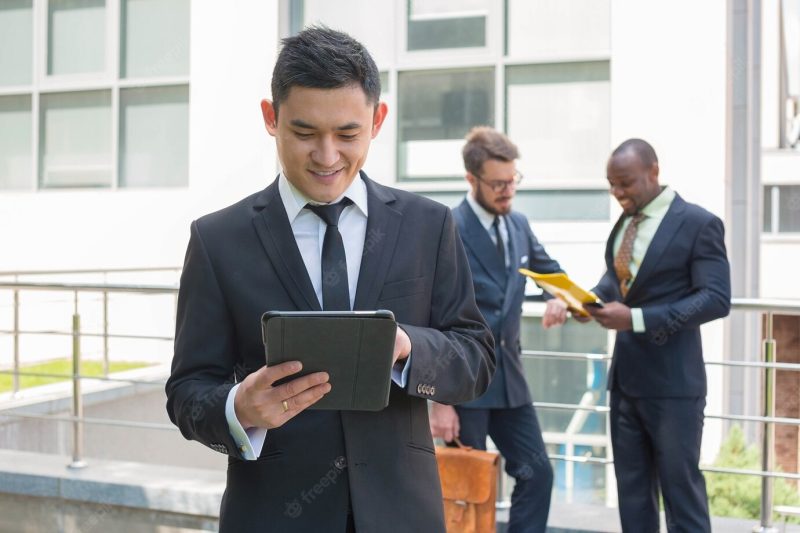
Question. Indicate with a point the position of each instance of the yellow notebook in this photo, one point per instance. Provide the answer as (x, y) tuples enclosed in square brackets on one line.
[(560, 286)]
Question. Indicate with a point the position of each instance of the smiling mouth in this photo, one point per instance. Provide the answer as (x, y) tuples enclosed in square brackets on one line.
[(325, 173)]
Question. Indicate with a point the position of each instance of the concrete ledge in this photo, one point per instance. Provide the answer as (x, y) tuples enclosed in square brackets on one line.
[(168, 489)]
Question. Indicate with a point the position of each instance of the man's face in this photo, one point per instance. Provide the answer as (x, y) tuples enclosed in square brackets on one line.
[(632, 183), (323, 136), (495, 187)]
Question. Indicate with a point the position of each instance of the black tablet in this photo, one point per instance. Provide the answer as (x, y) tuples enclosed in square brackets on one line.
[(354, 347)]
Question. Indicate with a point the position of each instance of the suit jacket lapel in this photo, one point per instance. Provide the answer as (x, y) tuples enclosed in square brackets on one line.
[(275, 233), (383, 228), (666, 231), (477, 239)]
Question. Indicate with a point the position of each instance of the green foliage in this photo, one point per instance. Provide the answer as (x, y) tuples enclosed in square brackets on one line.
[(739, 496), (62, 367)]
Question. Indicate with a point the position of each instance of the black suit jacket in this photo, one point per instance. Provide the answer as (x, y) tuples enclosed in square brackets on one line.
[(683, 282), (500, 291), (243, 261)]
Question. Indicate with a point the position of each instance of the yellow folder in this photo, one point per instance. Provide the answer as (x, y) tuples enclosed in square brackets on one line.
[(560, 286)]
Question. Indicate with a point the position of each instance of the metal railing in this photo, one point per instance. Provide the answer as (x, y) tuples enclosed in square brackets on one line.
[(767, 365)]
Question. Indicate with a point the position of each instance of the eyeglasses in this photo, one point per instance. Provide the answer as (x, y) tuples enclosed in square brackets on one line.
[(501, 185)]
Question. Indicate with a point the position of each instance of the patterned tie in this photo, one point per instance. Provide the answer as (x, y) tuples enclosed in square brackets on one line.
[(501, 249), (622, 260), (335, 291)]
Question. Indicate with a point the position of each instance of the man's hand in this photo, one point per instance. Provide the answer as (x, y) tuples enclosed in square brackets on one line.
[(555, 313), (613, 315), (444, 421), (402, 345), (260, 404)]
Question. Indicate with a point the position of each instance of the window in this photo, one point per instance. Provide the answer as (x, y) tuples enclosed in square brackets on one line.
[(101, 119), (557, 28), (558, 114), (441, 24), (782, 209), (436, 110), (16, 42)]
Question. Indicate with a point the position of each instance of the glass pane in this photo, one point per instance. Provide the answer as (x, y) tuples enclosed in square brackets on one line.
[(789, 208), (549, 205), (155, 38), (447, 24), (436, 110), (75, 138), (566, 381), (554, 108), (16, 162), (371, 22), (154, 137), (77, 36), (558, 27), (767, 209), (16, 42)]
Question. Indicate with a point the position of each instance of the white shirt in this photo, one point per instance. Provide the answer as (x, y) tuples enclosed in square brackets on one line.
[(309, 234), (487, 221)]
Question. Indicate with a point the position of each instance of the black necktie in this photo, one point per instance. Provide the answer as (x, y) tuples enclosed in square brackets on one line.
[(501, 249), (335, 292)]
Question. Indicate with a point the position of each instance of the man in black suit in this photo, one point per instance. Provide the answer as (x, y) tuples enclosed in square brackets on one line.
[(324, 236), (667, 274), (498, 242)]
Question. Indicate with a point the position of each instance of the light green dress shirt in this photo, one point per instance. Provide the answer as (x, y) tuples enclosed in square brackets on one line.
[(654, 213)]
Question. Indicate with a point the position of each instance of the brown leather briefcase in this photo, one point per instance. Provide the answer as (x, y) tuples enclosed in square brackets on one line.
[(469, 488)]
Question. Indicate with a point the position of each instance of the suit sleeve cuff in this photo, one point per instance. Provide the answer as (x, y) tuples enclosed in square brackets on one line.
[(637, 318), (250, 441), (400, 372)]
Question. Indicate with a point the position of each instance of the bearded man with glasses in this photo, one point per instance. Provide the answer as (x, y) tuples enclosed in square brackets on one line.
[(499, 241)]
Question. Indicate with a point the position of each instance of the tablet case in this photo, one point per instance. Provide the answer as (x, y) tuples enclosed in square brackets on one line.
[(354, 347)]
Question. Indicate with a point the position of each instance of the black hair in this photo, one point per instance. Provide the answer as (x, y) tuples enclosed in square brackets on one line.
[(321, 58), (642, 148)]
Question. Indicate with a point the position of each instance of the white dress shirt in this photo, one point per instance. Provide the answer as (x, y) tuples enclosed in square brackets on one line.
[(487, 220), (309, 234)]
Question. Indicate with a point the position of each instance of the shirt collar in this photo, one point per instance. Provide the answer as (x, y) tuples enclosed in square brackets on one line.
[(485, 217), (658, 206), (294, 200)]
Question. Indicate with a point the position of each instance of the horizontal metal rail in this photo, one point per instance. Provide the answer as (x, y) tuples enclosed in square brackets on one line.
[(16, 273), (759, 473), (84, 376), (91, 420), (90, 287), (530, 354), (47, 332)]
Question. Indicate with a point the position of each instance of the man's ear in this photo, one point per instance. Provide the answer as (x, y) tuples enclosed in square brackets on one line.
[(381, 110), (473, 181), (654, 173), (270, 117)]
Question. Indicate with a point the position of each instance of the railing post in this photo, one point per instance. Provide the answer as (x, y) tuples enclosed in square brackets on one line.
[(105, 334), (767, 442), (77, 399), (15, 386)]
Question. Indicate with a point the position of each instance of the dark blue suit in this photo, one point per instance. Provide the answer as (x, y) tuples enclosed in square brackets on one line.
[(657, 378), (505, 412)]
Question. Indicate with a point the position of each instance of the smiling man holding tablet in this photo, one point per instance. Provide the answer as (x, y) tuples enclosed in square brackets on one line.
[(323, 236)]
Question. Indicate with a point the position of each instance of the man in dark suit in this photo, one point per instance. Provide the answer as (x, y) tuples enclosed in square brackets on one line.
[(499, 241), (324, 236), (667, 274)]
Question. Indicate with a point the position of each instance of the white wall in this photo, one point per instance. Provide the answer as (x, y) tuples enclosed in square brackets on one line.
[(668, 86), (233, 46)]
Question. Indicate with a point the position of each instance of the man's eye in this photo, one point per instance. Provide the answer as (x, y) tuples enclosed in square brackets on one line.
[(303, 135), (348, 136)]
